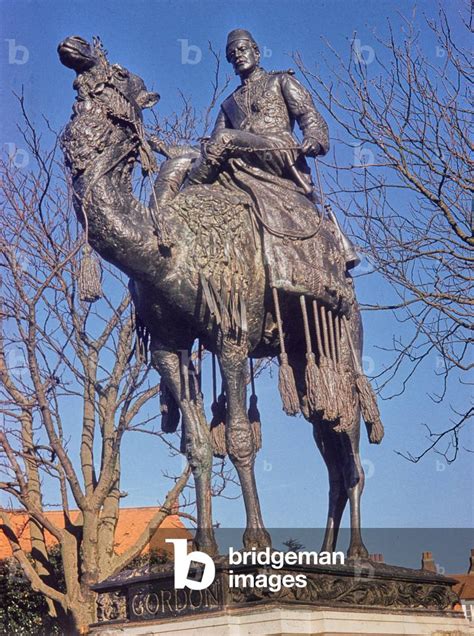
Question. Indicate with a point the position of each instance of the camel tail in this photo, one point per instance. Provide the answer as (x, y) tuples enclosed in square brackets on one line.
[(370, 410)]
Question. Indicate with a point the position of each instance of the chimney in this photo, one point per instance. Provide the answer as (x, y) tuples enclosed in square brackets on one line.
[(427, 562), (471, 562)]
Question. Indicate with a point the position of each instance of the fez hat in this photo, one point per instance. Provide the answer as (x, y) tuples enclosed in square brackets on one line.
[(240, 34)]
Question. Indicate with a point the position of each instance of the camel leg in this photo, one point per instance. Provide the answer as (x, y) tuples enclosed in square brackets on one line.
[(354, 480), (340, 452), (329, 445), (240, 441), (354, 477), (197, 439)]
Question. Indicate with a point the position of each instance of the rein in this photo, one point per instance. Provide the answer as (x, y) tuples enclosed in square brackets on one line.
[(147, 159), (149, 166)]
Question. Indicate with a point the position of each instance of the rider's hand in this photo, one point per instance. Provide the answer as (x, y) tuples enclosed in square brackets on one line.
[(157, 145), (311, 147)]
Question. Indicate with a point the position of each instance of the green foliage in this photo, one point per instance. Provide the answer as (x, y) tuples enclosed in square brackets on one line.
[(24, 612), (149, 559)]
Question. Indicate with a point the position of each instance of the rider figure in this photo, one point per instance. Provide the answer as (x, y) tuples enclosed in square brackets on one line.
[(255, 124), (256, 121)]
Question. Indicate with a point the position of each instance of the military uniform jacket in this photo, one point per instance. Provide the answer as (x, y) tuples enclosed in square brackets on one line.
[(268, 104)]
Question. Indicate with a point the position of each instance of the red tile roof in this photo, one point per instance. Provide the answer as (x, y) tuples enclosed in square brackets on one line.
[(131, 523), (465, 587)]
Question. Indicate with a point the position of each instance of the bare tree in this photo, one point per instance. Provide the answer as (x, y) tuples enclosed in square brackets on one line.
[(71, 389), (189, 126), (59, 353), (402, 173)]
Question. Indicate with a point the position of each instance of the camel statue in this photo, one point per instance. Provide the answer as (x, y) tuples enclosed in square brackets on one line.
[(196, 269)]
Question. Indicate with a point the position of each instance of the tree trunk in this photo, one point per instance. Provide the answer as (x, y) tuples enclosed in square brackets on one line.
[(78, 619)]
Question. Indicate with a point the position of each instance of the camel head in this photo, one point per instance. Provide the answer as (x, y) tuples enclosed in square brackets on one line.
[(109, 102), (76, 53), (95, 75)]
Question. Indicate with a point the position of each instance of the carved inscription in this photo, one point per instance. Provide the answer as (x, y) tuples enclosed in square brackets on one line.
[(151, 601)]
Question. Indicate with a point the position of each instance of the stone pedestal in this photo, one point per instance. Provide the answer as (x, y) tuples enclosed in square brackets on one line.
[(296, 621), (356, 598)]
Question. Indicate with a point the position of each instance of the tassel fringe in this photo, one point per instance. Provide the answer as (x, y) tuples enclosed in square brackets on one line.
[(367, 399), (370, 410), (255, 422), (217, 432), (287, 387), (257, 435), (313, 384), (182, 445), (347, 400), (328, 390), (90, 276), (143, 340)]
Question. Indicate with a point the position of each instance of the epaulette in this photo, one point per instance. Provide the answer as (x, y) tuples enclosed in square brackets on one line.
[(289, 71)]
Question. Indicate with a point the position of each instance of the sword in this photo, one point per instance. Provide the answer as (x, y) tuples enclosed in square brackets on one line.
[(308, 189)]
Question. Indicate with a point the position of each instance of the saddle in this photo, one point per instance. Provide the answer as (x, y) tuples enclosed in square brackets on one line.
[(305, 256), (304, 251)]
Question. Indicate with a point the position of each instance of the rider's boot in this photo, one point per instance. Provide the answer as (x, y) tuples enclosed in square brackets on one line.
[(207, 167), (170, 179), (204, 170)]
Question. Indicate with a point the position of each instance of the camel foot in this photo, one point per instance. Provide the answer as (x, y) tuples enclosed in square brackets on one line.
[(204, 541), (257, 538), (357, 552)]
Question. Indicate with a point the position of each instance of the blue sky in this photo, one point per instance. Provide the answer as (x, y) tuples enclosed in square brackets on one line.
[(152, 38)]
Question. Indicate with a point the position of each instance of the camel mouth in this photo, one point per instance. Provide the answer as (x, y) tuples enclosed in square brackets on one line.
[(76, 53), (147, 99)]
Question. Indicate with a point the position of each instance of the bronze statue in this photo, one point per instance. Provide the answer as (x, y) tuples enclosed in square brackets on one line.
[(210, 261), (253, 145), (255, 123)]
